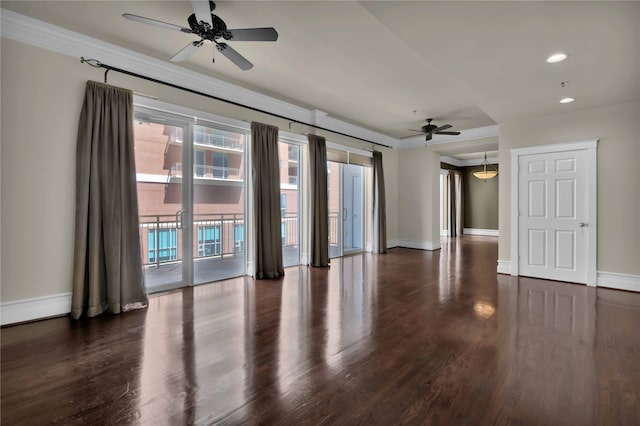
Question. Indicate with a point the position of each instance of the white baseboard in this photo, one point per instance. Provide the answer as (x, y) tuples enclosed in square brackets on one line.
[(478, 231), (619, 281), (35, 308), (422, 245), (392, 243), (504, 267), (605, 279)]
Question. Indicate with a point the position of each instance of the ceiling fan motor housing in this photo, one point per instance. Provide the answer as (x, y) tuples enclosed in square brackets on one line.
[(428, 128), (219, 29)]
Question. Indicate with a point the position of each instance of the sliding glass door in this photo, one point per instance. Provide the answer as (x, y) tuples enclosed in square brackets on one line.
[(161, 201), (352, 207), (346, 204), (334, 188), (289, 155), (191, 196), (218, 230)]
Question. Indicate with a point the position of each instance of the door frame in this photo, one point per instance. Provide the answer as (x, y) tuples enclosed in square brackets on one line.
[(592, 190)]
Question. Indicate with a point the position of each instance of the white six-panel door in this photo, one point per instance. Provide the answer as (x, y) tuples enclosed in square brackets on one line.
[(553, 222)]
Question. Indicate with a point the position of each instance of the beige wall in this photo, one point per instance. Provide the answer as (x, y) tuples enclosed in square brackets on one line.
[(42, 93), (41, 100), (418, 187), (480, 199), (617, 127)]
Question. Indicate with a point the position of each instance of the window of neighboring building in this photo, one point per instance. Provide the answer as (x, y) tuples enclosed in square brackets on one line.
[(238, 238), (220, 165), (209, 243), (163, 245), (199, 164)]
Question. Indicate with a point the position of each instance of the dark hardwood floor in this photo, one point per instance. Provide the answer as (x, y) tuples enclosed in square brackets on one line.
[(410, 337)]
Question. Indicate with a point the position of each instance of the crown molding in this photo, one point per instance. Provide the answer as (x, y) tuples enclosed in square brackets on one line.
[(15, 26), (467, 163), (450, 160)]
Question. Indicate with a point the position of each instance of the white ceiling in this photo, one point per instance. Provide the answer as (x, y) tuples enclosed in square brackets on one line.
[(470, 64)]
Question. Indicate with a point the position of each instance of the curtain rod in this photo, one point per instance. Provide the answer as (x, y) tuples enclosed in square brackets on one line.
[(97, 64)]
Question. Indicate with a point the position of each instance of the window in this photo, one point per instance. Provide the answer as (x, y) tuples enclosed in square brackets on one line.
[(209, 243), (220, 165), (199, 165), (163, 245), (238, 238)]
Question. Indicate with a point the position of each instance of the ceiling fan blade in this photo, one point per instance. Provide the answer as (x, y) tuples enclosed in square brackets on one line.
[(202, 11), (445, 127), (156, 23), (254, 34), (414, 130), (447, 133), (187, 51), (234, 56)]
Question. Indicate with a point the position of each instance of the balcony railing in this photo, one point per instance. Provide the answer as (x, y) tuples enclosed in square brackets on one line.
[(215, 235), (176, 135), (289, 229), (205, 171), (221, 140)]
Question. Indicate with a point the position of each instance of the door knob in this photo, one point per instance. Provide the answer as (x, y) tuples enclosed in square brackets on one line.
[(582, 224)]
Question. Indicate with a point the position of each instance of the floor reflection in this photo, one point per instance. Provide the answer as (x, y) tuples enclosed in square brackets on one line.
[(409, 337), (349, 310), (295, 324), (449, 278), (550, 345)]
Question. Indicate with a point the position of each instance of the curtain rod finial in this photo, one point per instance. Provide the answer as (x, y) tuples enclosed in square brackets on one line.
[(92, 62)]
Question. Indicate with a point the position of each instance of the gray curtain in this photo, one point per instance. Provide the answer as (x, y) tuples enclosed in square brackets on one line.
[(319, 205), (107, 270), (456, 207), (379, 206), (266, 201)]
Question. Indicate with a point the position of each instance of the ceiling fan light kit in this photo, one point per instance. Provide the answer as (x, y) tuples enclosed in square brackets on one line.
[(211, 28), (486, 173)]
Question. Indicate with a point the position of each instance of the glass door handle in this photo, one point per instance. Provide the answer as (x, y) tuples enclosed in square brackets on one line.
[(582, 224)]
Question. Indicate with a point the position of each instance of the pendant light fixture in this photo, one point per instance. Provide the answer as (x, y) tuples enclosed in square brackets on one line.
[(486, 174)]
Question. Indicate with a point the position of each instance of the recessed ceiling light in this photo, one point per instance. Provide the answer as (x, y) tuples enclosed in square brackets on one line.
[(557, 57), (566, 100)]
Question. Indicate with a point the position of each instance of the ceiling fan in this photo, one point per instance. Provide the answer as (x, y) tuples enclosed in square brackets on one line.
[(430, 129), (210, 28)]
